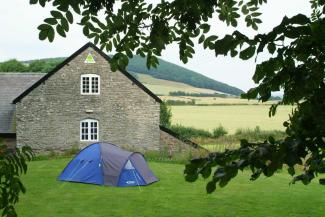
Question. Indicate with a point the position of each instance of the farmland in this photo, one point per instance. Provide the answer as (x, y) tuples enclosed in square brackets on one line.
[(171, 196), (232, 117), (163, 87)]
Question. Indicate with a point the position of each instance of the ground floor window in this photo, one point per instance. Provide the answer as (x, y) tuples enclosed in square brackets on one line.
[(89, 130)]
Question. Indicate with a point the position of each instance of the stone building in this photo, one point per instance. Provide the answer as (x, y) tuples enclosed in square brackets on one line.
[(78, 103)]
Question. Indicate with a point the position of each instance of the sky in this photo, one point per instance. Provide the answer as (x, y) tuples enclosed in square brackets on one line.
[(19, 40)]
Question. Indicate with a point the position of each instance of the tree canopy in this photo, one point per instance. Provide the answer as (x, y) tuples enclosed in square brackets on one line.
[(296, 49)]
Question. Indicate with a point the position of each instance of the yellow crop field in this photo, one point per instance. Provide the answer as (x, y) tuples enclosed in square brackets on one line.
[(231, 117)]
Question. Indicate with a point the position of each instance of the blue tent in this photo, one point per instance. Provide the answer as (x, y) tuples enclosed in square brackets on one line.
[(107, 164)]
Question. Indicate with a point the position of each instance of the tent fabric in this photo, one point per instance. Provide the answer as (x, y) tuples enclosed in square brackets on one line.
[(107, 164)]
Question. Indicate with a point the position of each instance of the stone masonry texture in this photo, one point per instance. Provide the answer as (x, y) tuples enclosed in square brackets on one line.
[(48, 118)]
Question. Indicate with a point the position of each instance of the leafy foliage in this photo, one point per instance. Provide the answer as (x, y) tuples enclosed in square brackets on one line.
[(219, 131), (165, 114), (190, 132), (296, 64), (44, 65), (13, 66), (12, 165), (136, 27)]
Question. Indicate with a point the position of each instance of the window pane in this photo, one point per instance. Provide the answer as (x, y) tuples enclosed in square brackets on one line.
[(94, 84), (85, 85), (84, 130)]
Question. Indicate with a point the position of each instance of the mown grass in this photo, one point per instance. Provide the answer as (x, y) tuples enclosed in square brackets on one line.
[(230, 117), (171, 196)]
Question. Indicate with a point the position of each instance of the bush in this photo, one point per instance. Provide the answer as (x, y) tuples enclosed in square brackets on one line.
[(165, 115), (180, 102), (190, 132), (257, 134), (219, 131)]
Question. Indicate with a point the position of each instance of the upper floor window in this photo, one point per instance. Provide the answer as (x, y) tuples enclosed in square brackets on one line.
[(89, 130), (90, 84)]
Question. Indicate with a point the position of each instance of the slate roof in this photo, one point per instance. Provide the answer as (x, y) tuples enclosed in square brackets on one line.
[(11, 86)]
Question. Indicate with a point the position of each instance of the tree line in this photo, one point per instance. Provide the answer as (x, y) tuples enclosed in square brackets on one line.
[(42, 66)]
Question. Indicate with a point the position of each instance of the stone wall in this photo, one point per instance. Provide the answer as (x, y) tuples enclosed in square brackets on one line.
[(48, 118), (171, 142)]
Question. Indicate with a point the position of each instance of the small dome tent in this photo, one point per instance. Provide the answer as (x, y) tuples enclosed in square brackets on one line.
[(107, 164)]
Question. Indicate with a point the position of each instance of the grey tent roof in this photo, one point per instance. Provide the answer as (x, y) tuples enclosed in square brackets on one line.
[(11, 86), (114, 159)]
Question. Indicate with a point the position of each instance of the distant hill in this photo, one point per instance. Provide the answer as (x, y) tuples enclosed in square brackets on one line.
[(165, 71), (163, 87), (173, 72)]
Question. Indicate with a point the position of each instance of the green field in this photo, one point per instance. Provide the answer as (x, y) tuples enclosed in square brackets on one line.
[(231, 117), (171, 196)]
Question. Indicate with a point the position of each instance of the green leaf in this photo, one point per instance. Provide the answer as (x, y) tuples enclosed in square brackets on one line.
[(33, 2), (69, 17), (42, 3), (65, 24), (201, 39), (247, 53), (205, 27), (206, 172), (271, 47), (211, 187), (291, 171), (43, 26), (322, 181), (60, 30), (56, 14), (233, 53), (51, 21), (211, 38), (245, 10), (85, 31), (299, 19), (42, 35), (75, 6), (51, 34), (256, 14)]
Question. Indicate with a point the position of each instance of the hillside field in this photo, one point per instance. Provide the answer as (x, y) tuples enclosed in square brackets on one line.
[(231, 117), (216, 100), (163, 87), (171, 196)]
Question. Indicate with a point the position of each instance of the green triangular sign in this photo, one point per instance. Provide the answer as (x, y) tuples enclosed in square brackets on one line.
[(90, 59)]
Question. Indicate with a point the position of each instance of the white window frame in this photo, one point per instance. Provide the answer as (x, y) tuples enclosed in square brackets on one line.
[(89, 132), (90, 77)]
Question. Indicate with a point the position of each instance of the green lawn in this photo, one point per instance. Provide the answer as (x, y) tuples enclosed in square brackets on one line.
[(231, 117), (171, 196)]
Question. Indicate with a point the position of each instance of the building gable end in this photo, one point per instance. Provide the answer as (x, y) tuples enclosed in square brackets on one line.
[(70, 58)]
